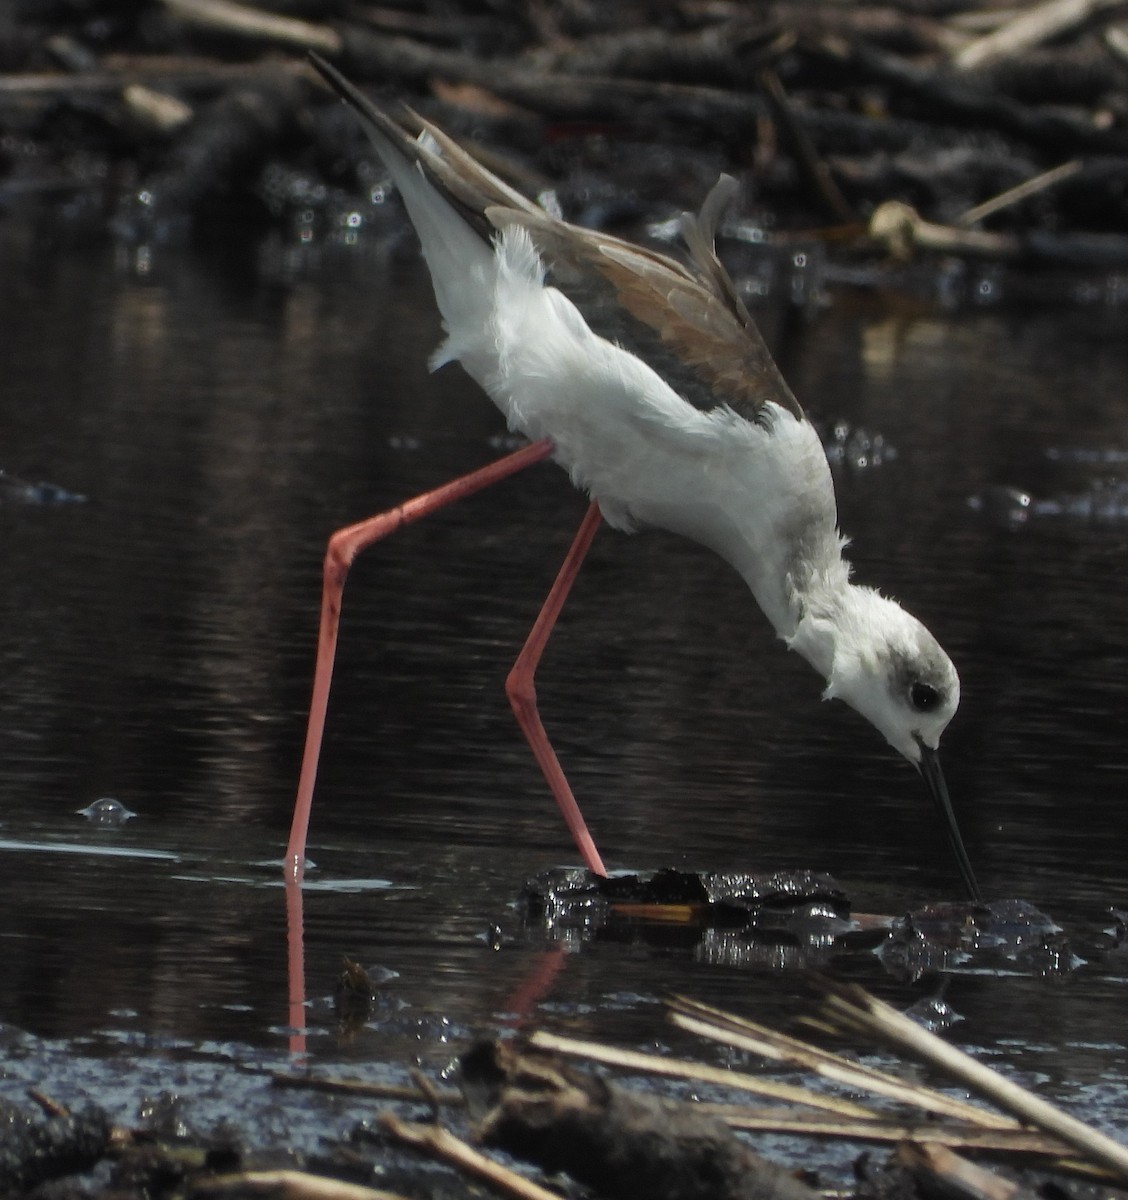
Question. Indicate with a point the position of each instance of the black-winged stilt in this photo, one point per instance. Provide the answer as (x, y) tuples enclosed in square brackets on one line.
[(647, 380)]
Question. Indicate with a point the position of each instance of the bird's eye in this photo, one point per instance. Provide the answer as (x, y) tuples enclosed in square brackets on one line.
[(923, 697)]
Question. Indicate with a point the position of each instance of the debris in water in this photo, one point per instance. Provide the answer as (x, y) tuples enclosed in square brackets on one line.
[(792, 920), (620, 1142), (732, 918), (1006, 936), (19, 491), (352, 996), (728, 898)]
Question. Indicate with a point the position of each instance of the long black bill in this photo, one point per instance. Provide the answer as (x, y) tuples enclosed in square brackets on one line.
[(934, 777)]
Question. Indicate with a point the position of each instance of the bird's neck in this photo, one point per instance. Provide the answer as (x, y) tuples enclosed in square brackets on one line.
[(822, 600)]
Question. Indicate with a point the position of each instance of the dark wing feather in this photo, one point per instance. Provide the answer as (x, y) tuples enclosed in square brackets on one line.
[(468, 185), (686, 322)]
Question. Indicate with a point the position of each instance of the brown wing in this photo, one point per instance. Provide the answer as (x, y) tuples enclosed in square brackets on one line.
[(687, 322)]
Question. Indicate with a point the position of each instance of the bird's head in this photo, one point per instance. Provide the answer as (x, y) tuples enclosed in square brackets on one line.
[(888, 667)]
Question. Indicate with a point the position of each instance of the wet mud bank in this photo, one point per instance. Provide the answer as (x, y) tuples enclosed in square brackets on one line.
[(896, 1111)]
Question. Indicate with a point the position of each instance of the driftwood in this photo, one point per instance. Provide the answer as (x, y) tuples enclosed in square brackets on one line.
[(907, 127), (956, 99), (1086, 74), (626, 1143), (729, 52), (621, 1143), (539, 1103), (834, 112), (228, 140)]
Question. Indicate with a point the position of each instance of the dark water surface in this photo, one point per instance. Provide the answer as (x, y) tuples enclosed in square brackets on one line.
[(223, 415)]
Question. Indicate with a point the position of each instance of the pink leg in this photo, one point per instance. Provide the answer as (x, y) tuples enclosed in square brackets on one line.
[(344, 546), (522, 691), (296, 1016)]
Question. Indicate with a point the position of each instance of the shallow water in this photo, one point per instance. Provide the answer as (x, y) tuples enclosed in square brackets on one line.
[(223, 414)]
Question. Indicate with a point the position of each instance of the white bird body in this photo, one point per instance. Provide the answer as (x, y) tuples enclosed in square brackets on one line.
[(634, 445), (659, 398)]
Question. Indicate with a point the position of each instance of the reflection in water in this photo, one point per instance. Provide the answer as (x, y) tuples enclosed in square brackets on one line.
[(156, 645)]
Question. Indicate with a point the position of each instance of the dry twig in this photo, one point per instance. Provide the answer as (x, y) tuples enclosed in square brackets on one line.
[(758, 1039), (1031, 27), (851, 1007), (958, 1135), (245, 21), (630, 1060), (1023, 191), (441, 1143), (285, 1185)]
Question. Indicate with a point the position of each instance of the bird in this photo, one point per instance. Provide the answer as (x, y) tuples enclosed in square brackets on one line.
[(645, 377)]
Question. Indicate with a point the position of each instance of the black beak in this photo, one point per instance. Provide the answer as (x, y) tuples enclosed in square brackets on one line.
[(938, 789)]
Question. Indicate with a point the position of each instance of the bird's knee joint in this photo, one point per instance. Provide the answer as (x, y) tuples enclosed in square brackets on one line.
[(338, 558), (520, 688)]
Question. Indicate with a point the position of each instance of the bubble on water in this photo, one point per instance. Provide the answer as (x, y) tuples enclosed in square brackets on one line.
[(106, 812)]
